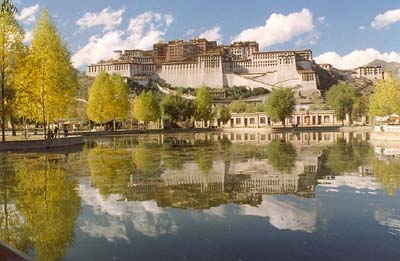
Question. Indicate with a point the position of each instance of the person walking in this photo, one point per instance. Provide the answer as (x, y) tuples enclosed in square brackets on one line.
[(56, 132)]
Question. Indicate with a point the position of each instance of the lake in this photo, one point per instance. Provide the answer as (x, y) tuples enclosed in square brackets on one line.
[(206, 196)]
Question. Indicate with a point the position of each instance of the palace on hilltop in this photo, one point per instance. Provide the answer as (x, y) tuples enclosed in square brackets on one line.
[(200, 62)]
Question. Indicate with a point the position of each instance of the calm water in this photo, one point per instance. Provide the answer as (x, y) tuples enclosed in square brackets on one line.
[(305, 196)]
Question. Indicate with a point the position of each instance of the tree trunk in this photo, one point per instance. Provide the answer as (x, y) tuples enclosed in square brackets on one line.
[(13, 130), (42, 100), (3, 99), (114, 124)]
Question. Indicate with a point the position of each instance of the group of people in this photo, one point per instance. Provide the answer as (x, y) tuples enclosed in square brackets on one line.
[(53, 134)]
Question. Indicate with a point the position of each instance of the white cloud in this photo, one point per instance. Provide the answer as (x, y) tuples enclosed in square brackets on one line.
[(311, 39), (369, 183), (289, 214), (107, 18), (28, 15), (146, 217), (28, 37), (279, 29), (212, 34), (321, 19), (389, 17), (389, 218), (357, 58), (143, 31), (362, 28)]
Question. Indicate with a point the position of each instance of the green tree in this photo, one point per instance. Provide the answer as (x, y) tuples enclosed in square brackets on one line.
[(280, 104), (281, 155), (342, 98), (11, 37), (145, 108), (361, 106), (177, 109), (100, 98), (203, 110), (223, 114), (386, 98), (238, 106), (53, 79)]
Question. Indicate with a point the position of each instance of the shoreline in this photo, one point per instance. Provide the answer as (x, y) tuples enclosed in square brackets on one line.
[(77, 139), (42, 145)]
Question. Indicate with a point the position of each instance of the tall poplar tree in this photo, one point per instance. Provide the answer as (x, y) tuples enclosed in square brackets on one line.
[(119, 102), (53, 78), (203, 105), (11, 37), (146, 108), (386, 98), (98, 106), (108, 99)]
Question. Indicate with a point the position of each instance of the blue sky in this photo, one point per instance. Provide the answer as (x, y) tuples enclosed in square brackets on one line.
[(344, 33)]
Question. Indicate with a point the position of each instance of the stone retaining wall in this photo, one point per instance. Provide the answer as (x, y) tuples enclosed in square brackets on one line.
[(41, 144)]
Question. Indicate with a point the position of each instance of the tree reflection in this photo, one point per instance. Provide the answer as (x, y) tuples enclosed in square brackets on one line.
[(11, 222), (281, 155), (171, 154), (347, 157), (146, 159), (110, 169), (388, 174), (205, 161), (49, 205)]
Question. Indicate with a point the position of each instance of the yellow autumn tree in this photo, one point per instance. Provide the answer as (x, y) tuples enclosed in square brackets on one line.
[(11, 37), (53, 79), (108, 99), (98, 106), (386, 98), (119, 102)]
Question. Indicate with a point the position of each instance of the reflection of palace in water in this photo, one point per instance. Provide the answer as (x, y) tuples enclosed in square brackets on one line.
[(237, 180), (297, 138), (242, 182)]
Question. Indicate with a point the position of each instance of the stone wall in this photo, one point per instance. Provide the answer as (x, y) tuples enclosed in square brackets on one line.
[(41, 144)]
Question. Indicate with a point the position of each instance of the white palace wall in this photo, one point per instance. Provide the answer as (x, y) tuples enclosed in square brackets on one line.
[(205, 72), (266, 69)]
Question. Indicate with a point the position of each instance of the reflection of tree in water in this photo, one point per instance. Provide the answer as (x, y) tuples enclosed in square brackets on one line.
[(281, 155), (110, 169), (147, 159), (174, 153), (205, 160), (347, 157), (11, 222), (46, 206), (388, 174)]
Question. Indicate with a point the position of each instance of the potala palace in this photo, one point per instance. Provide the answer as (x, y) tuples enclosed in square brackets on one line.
[(202, 62)]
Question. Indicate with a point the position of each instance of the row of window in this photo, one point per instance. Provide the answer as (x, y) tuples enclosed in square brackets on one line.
[(307, 120), (290, 137)]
